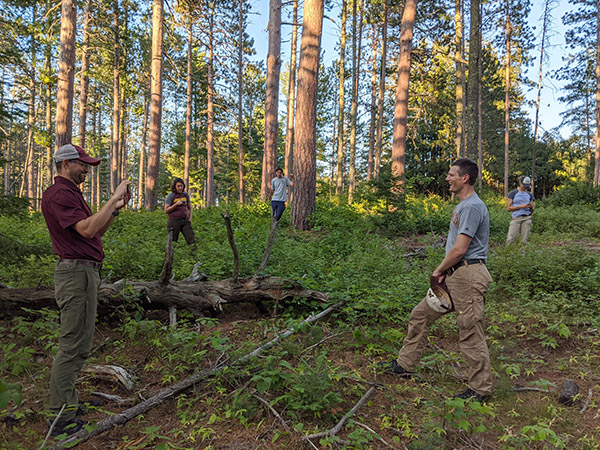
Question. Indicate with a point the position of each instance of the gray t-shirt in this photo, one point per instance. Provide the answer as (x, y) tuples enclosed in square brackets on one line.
[(471, 217), (279, 187)]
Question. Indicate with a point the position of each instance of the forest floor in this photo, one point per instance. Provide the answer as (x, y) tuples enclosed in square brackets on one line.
[(310, 380)]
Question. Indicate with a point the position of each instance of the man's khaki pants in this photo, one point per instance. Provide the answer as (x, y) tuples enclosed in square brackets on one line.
[(519, 225), (76, 291), (467, 285)]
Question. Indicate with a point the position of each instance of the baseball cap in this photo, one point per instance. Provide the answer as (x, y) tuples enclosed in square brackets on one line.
[(526, 181), (70, 151)]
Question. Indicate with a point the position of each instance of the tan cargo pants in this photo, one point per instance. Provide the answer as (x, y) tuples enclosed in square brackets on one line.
[(519, 225), (467, 285), (76, 291)]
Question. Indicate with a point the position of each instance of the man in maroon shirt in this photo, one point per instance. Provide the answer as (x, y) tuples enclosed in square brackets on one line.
[(76, 238)]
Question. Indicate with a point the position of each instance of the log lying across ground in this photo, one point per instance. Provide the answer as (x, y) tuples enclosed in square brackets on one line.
[(198, 297)]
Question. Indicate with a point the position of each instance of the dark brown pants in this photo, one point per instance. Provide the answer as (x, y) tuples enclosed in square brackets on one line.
[(183, 226)]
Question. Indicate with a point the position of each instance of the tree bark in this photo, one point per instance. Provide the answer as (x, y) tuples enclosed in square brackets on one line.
[(371, 154), (142, 171), (116, 118), (198, 297), (66, 73), (402, 93), (459, 58), (84, 77), (597, 141), (240, 104), (188, 108), (507, 100), (155, 106), (339, 179), (272, 98), (353, 114), (381, 96), (305, 157), (210, 144), (473, 80), (291, 100)]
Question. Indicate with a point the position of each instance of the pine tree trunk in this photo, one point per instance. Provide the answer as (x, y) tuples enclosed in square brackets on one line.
[(66, 73), (155, 107), (240, 104), (84, 80), (401, 108), (353, 119), (48, 107), (291, 100), (597, 143), (188, 109), (473, 81), (210, 145), (272, 98), (305, 158), (372, 122), (379, 141), (142, 164), (460, 79), (339, 179), (507, 101), (116, 118)]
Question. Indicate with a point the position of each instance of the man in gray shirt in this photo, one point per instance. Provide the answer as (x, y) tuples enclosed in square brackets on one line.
[(279, 186), (464, 272)]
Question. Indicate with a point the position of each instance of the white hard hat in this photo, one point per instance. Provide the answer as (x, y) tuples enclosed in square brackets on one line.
[(438, 297)]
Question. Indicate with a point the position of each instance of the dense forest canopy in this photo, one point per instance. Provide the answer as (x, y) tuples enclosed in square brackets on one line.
[(211, 122)]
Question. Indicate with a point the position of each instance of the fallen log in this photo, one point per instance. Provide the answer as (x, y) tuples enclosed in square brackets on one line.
[(203, 298)]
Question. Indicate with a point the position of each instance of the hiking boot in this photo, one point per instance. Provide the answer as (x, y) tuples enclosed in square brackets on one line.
[(470, 394), (392, 367), (87, 407), (67, 427)]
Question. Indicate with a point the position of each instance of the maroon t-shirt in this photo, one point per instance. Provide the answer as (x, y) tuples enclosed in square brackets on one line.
[(63, 206)]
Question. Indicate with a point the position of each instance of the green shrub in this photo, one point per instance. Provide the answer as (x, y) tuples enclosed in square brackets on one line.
[(576, 194)]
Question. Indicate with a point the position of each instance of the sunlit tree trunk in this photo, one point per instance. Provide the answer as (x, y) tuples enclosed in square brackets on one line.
[(305, 157), (459, 58), (291, 100), (473, 81), (545, 30), (142, 165), (507, 100), (116, 117), (66, 73), (339, 179), (479, 110), (373, 109), (28, 180), (272, 98), (381, 96), (355, 71), (49, 128), (401, 106), (84, 77), (240, 100), (597, 159), (188, 109), (155, 107), (210, 145)]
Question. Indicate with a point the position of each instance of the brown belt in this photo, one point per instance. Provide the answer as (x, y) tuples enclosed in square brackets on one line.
[(84, 262)]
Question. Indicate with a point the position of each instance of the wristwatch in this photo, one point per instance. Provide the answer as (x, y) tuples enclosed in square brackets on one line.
[(115, 213)]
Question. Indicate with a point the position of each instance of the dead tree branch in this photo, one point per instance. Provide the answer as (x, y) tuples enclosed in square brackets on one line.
[(167, 269), (236, 259), (269, 247), (171, 391)]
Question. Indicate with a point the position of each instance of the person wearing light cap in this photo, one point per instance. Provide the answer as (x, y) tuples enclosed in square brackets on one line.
[(520, 203), (76, 236)]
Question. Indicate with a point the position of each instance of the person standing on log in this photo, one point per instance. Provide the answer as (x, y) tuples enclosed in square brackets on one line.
[(76, 236), (279, 186), (466, 276), (179, 209)]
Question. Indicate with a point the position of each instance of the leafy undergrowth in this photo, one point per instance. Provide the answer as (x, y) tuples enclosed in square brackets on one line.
[(541, 317)]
